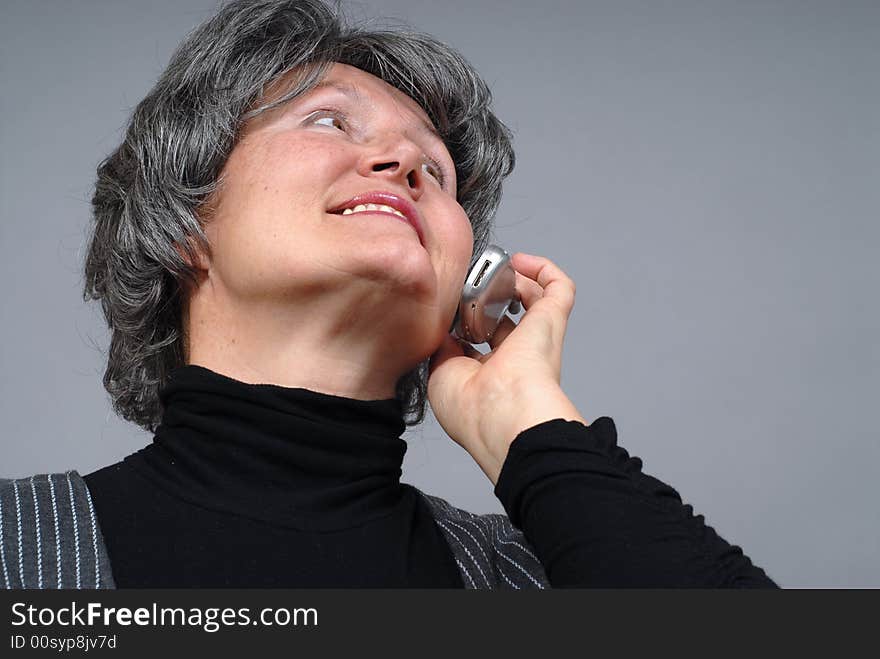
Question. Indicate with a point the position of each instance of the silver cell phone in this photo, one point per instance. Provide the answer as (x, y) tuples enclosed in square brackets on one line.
[(488, 293)]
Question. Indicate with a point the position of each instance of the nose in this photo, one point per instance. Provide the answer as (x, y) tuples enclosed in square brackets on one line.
[(396, 159)]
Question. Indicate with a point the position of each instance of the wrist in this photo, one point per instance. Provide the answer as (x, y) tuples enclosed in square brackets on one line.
[(536, 408)]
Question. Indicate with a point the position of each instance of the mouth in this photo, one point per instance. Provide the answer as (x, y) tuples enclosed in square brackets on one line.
[(383, 203)]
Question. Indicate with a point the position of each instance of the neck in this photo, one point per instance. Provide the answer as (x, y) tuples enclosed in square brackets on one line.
[(285, 455), (338, 345)]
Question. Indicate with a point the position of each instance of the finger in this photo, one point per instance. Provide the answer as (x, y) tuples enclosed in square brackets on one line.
[(529, 290), (505, 327), (556, 285)]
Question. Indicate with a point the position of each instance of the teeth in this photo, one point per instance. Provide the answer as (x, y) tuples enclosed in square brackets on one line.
[(373, 207)]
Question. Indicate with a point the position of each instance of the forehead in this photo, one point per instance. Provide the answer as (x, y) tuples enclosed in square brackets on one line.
[(367, 89), (344, 75)]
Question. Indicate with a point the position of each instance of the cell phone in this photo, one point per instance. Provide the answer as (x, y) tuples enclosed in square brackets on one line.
[(488, 293)]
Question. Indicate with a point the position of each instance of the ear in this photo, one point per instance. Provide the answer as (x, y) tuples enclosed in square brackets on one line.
[(195, 257)]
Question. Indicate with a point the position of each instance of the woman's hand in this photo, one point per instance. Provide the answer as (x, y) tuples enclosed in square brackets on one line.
[(484, 401)]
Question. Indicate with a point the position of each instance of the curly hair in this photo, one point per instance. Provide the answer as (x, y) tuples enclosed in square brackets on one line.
[(153, 192)]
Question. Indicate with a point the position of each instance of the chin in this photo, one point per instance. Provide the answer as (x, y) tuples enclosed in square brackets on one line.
[(410, 271)]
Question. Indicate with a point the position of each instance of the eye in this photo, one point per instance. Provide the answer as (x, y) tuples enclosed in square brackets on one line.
[(435, 170), (337, 119)]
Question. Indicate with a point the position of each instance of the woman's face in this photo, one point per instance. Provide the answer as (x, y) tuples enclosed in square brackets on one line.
[(274, 238)]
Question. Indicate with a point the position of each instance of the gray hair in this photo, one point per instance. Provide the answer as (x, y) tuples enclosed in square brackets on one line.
[(153, 192)]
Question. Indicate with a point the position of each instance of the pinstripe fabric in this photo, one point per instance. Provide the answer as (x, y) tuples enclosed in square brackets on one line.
[(7, 583), (49, 537), (490, 551)]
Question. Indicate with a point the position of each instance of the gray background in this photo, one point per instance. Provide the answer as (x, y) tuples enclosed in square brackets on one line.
[(705, 171)]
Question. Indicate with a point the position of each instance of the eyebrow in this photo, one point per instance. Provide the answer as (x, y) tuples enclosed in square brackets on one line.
[(354, 94)]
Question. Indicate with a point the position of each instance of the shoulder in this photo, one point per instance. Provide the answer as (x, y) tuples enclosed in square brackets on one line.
[(49, 536), (491, 552), (43, 489)]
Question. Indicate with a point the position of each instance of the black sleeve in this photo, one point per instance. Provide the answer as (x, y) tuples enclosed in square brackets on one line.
[(595, 520)]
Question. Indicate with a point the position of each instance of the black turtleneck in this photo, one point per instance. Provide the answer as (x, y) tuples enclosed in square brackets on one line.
[(257, 485)]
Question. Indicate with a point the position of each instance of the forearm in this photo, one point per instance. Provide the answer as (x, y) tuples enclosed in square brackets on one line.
[(595, 520)]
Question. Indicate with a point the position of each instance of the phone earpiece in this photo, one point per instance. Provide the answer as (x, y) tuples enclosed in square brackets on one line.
[(487, 294)]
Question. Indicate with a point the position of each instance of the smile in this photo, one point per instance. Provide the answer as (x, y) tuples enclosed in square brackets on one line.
[(360, 208), (383, 202)]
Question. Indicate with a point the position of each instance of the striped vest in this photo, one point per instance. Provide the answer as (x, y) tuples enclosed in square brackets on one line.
[(50, 538)]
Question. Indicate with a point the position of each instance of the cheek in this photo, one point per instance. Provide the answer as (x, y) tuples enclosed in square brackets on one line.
[(459, 246), (272, 176), (306, 156), (277, 162), (465, 241)]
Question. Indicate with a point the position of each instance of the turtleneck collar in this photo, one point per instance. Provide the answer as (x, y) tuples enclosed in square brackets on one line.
[(290, 456)]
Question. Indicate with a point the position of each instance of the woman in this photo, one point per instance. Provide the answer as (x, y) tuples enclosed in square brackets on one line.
[(277, 333)]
